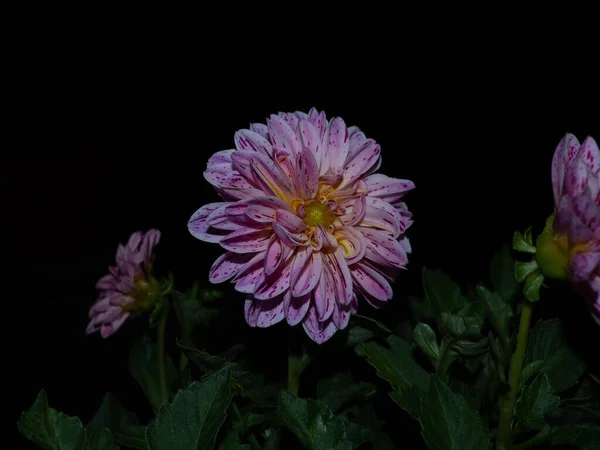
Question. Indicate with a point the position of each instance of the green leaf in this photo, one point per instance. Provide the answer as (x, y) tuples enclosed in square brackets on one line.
[(357, 335), (545, 338), (530, 370), (426, 340), (396, 364), (546, 342), (143, 366), (421, 308), (49, 428), (449, 423), (463, 327), (581, 436), (365, 416), (523, 243), (313, 423), (340, 390), (533, 283), (502, 274), (441, 292), (124, 424), (497, 311), (409, 399), (536, 402), (194, 418), (563, 369), (271, 439), (232, 442), (192, 312), (53, 430), (356, 433), (524, 269)]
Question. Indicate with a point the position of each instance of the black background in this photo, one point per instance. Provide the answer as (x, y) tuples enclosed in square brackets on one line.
[(99, 160)]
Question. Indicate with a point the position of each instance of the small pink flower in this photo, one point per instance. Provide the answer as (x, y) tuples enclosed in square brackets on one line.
[(129, 286), (305, 221), (576, 227)]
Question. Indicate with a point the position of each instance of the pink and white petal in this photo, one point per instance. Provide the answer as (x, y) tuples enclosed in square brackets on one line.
[(107, 330), (365, 158), (254, 263), (323, 239), (233, 195), (576, 177), (240, 161), (271, 202), (318, 331), (220, 158), (587, 210), (338, 145), (352, 244), (356, 138), (288, 238), (134, 241), (298, 260), (386, 246), (246, 240), (324, 295), (405, 243), (106, 282), (274, 255), (198, 226), (227, 266), (565, 153), (260, 213), (251, 310), (371, 281), (271, 312), (341, 276), (341, 315), (252, 278), (387, 188), (290, 221), (311, 139), (274, 285), (590, 154), (307, 175), (583, 265), (261, 129), (269, 177), (383, 219), (309, 275), (355, 211), (248, 140), (295, 307), (282, 135)]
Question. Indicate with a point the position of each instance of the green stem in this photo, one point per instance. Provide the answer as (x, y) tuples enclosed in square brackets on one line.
[(296, 366), (162, 329), (236, 412), (503, 434)]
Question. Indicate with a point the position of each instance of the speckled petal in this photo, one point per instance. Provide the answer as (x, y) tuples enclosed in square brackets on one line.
[(318, 331), (296, 307)]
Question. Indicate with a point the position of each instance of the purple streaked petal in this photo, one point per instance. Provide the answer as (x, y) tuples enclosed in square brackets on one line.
[(260, 128), (246, 240), (371, 282), (271, 311), (341, 276), (295, 307), (299, 259), (251, 141), (387, 188), (590, 154), (288, 238), (282, 135), (227, 266), (252, 277), (309, 275), (274, 255), (352, 244), (198, 227), (355, 212), (324, 240), (356, 138), (583, 264), (106, 282), (270, 178), (260, 213), (290, 221), (365, 158), (221, 158), (311, 140), (565, 153), (576, 177), (587, 210), (251, 310), (383, 216), (341, 314), (107, 330), (274, 285), (338, 145), (324, 295), (307, 175), (240, 161), (386, 246), (318, 331)]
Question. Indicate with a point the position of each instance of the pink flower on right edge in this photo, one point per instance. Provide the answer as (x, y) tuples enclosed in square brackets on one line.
[(576, 228), (128, 287)]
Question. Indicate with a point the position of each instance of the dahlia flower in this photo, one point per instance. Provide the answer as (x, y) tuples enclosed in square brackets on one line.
[(570, 247), (305, 221), (128, 287)]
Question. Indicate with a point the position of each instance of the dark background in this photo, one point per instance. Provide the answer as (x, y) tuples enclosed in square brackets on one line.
[(100, 160)]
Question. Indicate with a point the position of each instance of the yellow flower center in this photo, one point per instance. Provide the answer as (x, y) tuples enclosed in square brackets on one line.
[(145, 293), (317, 213), (554, 254)]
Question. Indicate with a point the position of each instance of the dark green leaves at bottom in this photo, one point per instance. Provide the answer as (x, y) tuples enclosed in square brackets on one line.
[(536, 402), (53, 430), (502, 274), (396, 364), (143, 365), (124, 424), (194, 418), (441, 292), (339, 390), (449, 423), (314, 424), (581, 437)]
